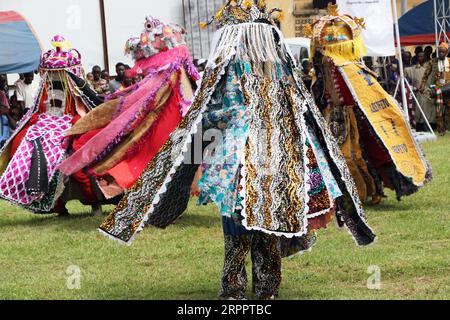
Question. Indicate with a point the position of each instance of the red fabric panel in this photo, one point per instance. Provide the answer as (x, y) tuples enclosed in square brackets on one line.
[(378, 155), (128, 171), (10, 16), (419, 39)]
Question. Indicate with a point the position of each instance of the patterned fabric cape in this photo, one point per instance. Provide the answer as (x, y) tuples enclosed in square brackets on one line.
[(120, 137), (386, 132), (272, 201), (46, 132)]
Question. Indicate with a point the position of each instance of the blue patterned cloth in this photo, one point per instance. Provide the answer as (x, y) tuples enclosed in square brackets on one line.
[(330, 181), (228, 121), (5, 130)]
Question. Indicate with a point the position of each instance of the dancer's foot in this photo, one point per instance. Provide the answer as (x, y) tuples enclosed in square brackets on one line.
[(63, 213), (97, 210), (60, 209), (376, 199)]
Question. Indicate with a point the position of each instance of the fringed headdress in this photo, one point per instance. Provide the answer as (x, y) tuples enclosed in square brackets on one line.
[(62, 57), (337, 36), (244, 11), (247, 30)]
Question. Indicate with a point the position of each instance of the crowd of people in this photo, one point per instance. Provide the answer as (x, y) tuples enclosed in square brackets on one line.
[(420, 71), (104, 85)]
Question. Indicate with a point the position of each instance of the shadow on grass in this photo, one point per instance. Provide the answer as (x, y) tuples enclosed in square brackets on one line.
[(85, 221), (392, 207), (197, 220)]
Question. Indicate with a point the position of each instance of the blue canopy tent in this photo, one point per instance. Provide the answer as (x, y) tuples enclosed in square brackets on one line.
[(20, 49), (417, 26)]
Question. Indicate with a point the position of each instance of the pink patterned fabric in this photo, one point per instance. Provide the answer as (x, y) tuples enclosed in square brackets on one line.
[(146, 66), (62, 57), (131, 112), (51, 130)]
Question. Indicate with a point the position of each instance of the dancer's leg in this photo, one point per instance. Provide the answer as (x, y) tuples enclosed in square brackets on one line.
[(266, 260)]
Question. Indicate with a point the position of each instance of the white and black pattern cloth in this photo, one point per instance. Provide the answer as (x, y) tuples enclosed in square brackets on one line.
[(266, 264)]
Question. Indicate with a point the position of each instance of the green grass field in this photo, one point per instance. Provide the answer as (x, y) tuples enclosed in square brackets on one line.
[(185, 260)]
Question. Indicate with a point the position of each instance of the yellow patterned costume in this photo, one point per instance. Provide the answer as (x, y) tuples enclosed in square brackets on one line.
[(369, 125)]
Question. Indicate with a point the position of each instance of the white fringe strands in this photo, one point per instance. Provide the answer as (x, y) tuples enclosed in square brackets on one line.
[(253, 42)]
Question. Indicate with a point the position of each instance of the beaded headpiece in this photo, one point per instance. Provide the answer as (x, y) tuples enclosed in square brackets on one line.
[(244, 11), (62, 57), (155, 38), (337, 35)]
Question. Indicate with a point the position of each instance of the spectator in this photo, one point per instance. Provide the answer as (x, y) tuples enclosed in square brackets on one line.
[(415, 74), (19, 81), (89, 77), (428, 52), (368, 62), (116, 83), (99, 85), (105, 75), (4, 85), (438, 74), (26, 91), (4, 101), (15, 108), (127, 80), (407, 58), (7, 123), (416, 51)]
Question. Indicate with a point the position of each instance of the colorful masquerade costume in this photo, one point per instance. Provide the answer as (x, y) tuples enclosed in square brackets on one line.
[(248, 86), (28, 160), (273, 162), (119, 138), (367, 122)]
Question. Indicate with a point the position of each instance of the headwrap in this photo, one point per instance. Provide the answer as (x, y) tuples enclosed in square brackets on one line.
[(443, 45)]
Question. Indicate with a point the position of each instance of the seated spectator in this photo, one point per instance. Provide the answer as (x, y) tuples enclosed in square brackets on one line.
[(89, 77), (99, 85), (116, 83), (26, 91)]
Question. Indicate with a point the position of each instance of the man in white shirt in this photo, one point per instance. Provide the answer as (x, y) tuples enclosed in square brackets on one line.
[(26, 91)]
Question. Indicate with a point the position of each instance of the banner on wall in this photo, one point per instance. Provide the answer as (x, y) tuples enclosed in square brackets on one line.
[(379, 32)]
